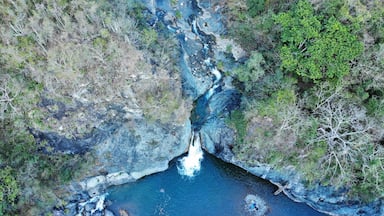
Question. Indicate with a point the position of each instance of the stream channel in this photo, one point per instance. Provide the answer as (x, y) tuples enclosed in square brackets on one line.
[(217, 188)]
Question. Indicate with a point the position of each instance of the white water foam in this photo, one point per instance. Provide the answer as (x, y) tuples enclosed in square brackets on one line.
[(217, 74), (190, 164), (194, 27), (211, 91)]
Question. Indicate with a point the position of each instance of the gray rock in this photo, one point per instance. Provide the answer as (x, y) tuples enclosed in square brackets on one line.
[(158, 167), (217, 139), (58, 213), (118, 178), (71, 209), (97, 213), (136, 149), (89, 207), (94, 182), (140, 148)]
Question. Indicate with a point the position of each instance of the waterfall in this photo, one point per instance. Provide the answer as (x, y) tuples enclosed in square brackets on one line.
[(199, 61), (190, 165)]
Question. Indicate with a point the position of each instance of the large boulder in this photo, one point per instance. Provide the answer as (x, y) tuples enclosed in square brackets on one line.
[(136, 149), (139, 145)]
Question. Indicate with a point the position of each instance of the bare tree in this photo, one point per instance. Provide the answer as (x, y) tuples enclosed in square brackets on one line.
[(347, 131), (7, 97)]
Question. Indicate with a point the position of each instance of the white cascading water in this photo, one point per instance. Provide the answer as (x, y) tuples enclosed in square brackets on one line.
[(217, 74), (190, 165)]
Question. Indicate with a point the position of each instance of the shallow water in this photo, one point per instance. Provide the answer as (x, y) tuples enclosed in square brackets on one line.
[(218, 189)]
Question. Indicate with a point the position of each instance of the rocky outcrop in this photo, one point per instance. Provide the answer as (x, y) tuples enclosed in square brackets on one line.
[(139, 145), (82, 204), (133, 150)]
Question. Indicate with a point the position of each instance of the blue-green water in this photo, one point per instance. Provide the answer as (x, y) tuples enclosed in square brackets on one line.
[(219, 189)]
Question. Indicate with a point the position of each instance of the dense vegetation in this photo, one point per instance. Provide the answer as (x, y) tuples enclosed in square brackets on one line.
[(62, 63), (313, 89)]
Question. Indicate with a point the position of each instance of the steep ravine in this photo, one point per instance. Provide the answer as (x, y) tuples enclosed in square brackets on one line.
[(136, 147)]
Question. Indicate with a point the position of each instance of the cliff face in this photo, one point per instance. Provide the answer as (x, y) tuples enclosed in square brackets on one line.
[(126, 109), (103, 94), (87, 80)]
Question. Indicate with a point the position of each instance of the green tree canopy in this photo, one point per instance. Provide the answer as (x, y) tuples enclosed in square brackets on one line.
[(314, 47)]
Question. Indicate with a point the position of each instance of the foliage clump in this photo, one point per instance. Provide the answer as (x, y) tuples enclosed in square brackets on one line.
[(315, 48)]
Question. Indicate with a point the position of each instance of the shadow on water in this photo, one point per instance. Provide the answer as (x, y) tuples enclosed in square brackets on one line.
[(219, 189)]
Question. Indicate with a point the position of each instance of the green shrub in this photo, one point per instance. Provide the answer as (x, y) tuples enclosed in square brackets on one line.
[(149, 37), (178, 14), (273, 106), (375, 107), (255, 7), (237, 121), (9, 190), (251, 71)]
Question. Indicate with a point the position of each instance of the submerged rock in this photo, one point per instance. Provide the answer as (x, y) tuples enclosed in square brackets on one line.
[(108, 213), (255, 205), (123, 212)]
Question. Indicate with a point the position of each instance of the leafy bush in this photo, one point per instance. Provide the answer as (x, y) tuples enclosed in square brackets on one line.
[(149, 36), (251, 71), (255, 7), (237, 121)]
